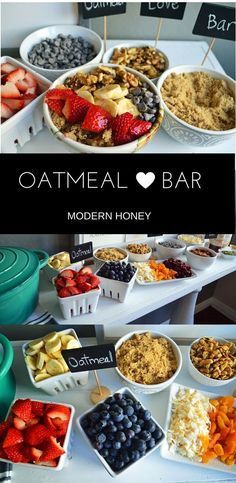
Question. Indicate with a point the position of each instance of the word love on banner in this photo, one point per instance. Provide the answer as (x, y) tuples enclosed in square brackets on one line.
[(90, 358), (81, 252), (102, 9), (163, 9), (215, 21)]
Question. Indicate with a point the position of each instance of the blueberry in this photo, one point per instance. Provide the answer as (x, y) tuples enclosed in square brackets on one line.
[(146, 415), (127, 423), (130, 402), (145, 435), (91, 432), (117, 417), (150, 426), (130, 433), (137, 406), (113, 452), (110, 400), (98, 445), (104, 452), (95, 416), (101, 438), (119, 464), (133, 418), (151, 443), (105, 415), (100, 424), (141, 422), (129, 410), (134, 455), (110, 460), (119, 426), (110, 436), (136, 428), (85, 423), (116, 444), (157, 434), (111, 427), (127, 443), (140, 445), (108, 444), (120, 436)]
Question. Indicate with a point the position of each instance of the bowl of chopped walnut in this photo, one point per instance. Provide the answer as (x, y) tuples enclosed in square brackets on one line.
[(140, 56), (212, 361), (103, 108)]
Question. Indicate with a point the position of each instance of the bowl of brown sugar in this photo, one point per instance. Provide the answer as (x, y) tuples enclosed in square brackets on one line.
[(199, 105)]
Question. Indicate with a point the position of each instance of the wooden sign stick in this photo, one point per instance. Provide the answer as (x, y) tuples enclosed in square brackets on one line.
[(105, 33), (158, 30), (209, 49), (98, 383)]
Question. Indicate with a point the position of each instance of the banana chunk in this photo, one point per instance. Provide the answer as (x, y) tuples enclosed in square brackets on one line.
[(51, 337), (53, 346), (41, 377), (40, 361), (54, 367), (30, 361), (85, 95), (73, 344), (65, 339), (31, 352), (36, 344), (108, 105), (64, 364), (111, 91), (126, 105)]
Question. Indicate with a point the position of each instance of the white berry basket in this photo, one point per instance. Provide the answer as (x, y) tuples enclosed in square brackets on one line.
[(66, 444), (81, 304), (128, 392), (63, 382), (115, 289), (27, 122)]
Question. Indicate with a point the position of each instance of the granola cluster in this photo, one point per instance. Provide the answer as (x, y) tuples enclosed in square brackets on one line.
[(147, 60)]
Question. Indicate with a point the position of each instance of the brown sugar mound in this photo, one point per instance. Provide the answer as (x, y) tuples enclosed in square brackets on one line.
[(146, 360), (200, 100)]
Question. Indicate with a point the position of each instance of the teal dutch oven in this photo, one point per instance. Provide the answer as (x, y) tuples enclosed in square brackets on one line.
[(7, 380), (19, 283)]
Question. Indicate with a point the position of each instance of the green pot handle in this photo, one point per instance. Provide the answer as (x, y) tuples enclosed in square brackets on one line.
[(42, 256), (8, 355)]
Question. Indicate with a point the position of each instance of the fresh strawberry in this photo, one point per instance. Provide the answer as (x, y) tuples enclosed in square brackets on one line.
[(22, 409), (61, 94), (70, 282), (14, 104), (16, 75), (138, 128), (31, 90), (120, 128), (35, 435), (33, 421), (3, 79), (75, 290), (13, 436), (37, 408), (51, 450), (48, 422), (27, 98), (85, 270), (64, 292), (58, 411), (6, 112), (3, 428), (28, 81), (68, 273), (9, 91), (61, 281), (86, 287), (94, 281), (15, 453), (96, 119), (75, 109), (19, 423), (34, 454), (6, 68), (56, 105), (51, 464), (2, 453), (81, 279), (57, 426)]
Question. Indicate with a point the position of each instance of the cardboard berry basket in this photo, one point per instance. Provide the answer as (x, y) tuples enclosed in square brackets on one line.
[(62, 382), (66, 444), (18, 129)]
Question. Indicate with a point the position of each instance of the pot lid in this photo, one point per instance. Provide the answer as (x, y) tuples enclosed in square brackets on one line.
[(16, 266)]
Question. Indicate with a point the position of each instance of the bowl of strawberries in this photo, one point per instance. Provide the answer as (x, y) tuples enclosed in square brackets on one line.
[(77, 291), (36, 433), (103, 108)]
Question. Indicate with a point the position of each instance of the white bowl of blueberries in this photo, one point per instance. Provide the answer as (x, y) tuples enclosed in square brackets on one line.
[(55, 50), (170, 248), (121, 431)]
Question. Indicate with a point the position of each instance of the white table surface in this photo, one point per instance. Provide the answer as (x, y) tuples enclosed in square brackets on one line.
[(141, 301), (84, 467), (178, 52)]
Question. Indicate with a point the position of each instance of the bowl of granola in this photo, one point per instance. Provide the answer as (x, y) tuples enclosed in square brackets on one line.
[(103, 108), (110, 254), (140, 56), (139, 252)]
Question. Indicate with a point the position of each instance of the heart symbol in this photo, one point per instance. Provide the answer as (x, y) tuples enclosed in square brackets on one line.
[(145, 180)]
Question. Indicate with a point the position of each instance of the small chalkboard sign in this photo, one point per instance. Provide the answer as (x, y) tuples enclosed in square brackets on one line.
[(215, 21), (163, 9), (102, 9), (81, 252), (90, 358)]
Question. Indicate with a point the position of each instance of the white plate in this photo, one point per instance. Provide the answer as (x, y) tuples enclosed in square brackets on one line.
[(194, 275), (165, 452)]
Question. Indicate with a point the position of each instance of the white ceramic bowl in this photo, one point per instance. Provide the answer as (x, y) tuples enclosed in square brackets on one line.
[(139, 257), (180, 130), (52, 32), (199, 377), (228, 257), (150, 388), (101, 262), (75, 146), (123, 390), (66, 444), (188, 244), (108, 54), (168, 252), (198, 262)]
